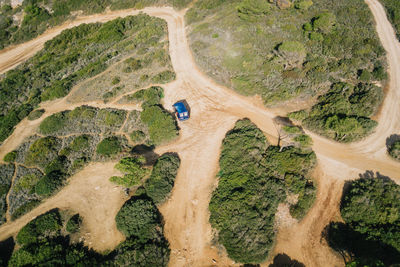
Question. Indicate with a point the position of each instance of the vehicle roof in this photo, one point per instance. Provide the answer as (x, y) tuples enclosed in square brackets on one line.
[(180, 107)]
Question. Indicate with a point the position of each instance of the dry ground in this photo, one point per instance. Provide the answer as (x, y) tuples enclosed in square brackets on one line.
[(215, 109)]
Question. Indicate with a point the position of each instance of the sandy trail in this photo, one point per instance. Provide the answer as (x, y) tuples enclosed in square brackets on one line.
[(215, 109)]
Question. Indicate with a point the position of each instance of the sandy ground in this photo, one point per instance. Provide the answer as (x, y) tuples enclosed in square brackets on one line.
[(215, 109), (94, 197)]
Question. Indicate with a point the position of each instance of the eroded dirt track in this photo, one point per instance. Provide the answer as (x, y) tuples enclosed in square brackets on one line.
[(215, 109)]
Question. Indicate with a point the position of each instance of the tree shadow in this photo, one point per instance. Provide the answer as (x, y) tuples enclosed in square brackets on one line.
[(354, 246), (392, 139), (147, 152), (6, 249), (283, 260)]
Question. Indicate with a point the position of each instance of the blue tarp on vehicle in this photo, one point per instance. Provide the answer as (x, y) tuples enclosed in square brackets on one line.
[(182, 111)]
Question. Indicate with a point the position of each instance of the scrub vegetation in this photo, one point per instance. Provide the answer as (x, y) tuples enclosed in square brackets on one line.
[(254, 178), (6, 174), (370, 233), (71, 140), (324, 51), (157, 180), (39, 15), (73, 56)]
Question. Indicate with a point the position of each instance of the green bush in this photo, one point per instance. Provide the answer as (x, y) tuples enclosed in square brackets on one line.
[(36, 114), (10, 156), (49, 183), (394, 150), (138, 136), (139, 218), (48, 224), (52, 123), (26, 182), (133, 169), (250, 9), (291, 129), (324, 22), (303, 140), (161, 124), (28, 206), (162, 178), (164, 77), (109, 146), (342, 114), (74, 224), (372, 207), (150, 96), (303, 4), (42, 151)]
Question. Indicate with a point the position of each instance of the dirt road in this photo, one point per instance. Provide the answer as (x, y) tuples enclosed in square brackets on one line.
[(215, 109)]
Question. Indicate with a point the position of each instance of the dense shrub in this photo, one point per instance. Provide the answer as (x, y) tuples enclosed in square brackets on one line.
[(139, 218), (394, 150), (42, 151), (137, 136), (133, 169), (10, 156), (150, 96), (41, 244), (343, 113), (36, 114), (49, 183), (109, 146), (73, 224), (162, 177), (370, 235), (46, 225), (372, 207), (161, 124), (253, 179)]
